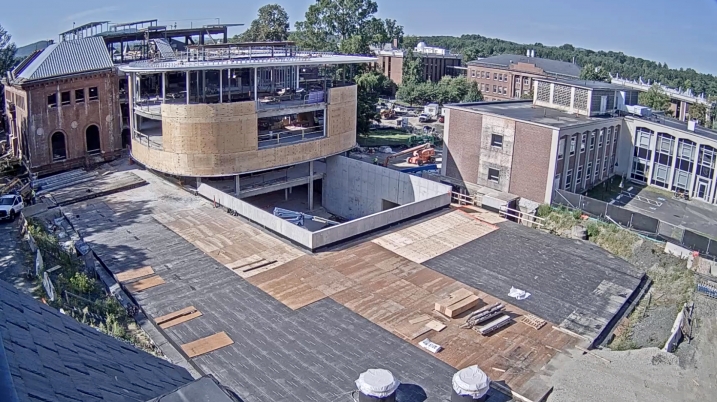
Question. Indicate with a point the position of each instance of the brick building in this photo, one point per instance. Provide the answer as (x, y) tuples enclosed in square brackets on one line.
[(62, 106), (437, 62), (510, 76), (573, 136)]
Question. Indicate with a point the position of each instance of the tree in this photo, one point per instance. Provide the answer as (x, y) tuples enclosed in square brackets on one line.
[(447, 90), (698, 111), (592, 73), (272, 24), (529, 95), (370, 85), (655, 98), (412, 68), (474, 94), (329, 22), (7, 60)]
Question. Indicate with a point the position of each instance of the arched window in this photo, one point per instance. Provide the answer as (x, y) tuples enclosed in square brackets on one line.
[(92, 138), (126, 138), (59, 148)]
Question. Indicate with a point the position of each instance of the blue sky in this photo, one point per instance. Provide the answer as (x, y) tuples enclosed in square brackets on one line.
[(681, 33)]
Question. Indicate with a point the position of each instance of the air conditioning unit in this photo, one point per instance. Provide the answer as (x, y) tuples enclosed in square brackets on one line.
[(638, 110)]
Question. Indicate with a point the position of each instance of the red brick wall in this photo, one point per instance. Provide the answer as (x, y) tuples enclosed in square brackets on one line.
[(531, 161), (74, 119), (463, 146)]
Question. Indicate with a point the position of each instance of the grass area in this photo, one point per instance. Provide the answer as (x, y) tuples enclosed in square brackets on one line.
[(378, 138), (672, 283), (82, 296)]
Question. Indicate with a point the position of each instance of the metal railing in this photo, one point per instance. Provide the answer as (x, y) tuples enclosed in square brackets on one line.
[(462, 199), (144, 139), (290, 136), (520, 216), (291, 100)]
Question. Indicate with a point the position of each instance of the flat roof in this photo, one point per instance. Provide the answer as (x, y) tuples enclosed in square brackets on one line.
[(548, 65), (587, 84), (524, 110), (301, 58)]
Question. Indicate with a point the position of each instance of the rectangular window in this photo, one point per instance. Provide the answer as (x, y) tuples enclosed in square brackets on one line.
[(600, 138), (65, 98), (495, 76), (609, 135), (496, 140), (473, 73), (612, 163), (500, 77), (604, 166), (582, 143), (494, 175), (579, 176), (617, 132), (495, 88), (557, 178), (592, 141), (526, 81), (589, 171), (572, 145), (79, 95), (52, 100), (597, 168), (569, 180), (561, 148), (482, 74), (93, 94), (517, 93)]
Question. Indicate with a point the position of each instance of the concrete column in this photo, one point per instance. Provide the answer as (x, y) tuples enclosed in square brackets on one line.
[(286, 194), (199, 181), (311, 186), (298, 71), (237, 186), (130, 83), (204, 86), (187, 85), (673, 168), (256, 86), (229, 80), (221, 87), (164, 86), (693, 176)]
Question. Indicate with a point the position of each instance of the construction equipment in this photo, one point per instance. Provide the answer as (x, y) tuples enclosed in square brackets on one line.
[(422, 157), (388, 114), (408, 151)]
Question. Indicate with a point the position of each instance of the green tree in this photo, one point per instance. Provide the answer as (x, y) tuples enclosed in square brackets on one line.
[(370, 85), (698, 111), (592, 73), (329, 22), (412, 67), (473, 94), (655, 98), (7, 60), (271, 24), (529, 95)]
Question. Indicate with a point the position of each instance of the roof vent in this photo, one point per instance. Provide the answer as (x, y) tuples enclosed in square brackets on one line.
[(691, 125)]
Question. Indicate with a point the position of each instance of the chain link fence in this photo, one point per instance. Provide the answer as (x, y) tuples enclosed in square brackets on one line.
[(640, 223)]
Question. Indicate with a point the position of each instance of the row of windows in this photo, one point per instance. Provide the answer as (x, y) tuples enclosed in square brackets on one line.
[(486, 75), (17, 99), (496, 89), (65, 97), (59, 143), (600, 135), (597, 174)]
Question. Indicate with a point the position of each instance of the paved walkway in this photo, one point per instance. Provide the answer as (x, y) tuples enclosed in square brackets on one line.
[(14, 258)]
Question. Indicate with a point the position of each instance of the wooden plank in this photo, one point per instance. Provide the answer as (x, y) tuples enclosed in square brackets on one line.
[(144, 284), (453, 298), (420, 332), (260, 264), (178, 317), (436, 326), (464, 305), (134, 274), (420, 318), (206, 345), (533, 321)]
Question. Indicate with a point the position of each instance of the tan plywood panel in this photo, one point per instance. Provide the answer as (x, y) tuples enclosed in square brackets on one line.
[(177, 317), (134, 274), (206, 345), (144, 284)]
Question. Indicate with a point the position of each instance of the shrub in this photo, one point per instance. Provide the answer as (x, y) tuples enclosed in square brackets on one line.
[(81, 284), (593, 230), (577, 213), (544, 210)]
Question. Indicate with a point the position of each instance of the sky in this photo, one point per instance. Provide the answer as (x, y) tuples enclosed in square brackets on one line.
[(680, 33)]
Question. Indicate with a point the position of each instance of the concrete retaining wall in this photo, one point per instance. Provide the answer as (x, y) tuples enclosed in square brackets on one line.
[(353, 189), (277, 225)]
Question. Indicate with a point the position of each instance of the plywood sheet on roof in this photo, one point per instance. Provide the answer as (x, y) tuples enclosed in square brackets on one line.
[(206, 345), (134, 273), (434, 236), (177, 317), (144, 284)]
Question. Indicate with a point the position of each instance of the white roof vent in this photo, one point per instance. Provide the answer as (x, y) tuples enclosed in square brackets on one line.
[(691, 125)]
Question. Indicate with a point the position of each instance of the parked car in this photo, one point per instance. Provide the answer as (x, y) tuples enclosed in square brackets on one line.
[(10, 206), (424, 118)]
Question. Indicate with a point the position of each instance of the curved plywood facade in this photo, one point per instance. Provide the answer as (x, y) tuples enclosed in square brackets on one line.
[(221, 139)]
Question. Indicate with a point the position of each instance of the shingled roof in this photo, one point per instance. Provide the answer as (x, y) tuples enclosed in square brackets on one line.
[(48, 356), (65, 58), (552, 67)]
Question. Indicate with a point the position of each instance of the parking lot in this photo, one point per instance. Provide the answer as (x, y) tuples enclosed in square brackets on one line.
[(660, 204)]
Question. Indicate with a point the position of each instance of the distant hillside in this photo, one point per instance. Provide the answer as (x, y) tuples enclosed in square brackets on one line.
[(475, 46)]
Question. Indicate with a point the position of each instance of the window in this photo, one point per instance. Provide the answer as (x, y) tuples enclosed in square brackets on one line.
[(52, 100), (526, 81), (495, 76), (92, 138), (686, 150), (517, 93), (589, 171), (59, 151), (572, 145), (569, 180), (600, 138), (79, 95), (592, 141), (604, 167), (500, 77), (473, 73), (597, 168), (561, 148), (496, 140), (482, 87), (495, 88), (609, 135), (579, 176), (617, 132), (682, 180), (612, 163), (494, 175), (94, 95), (582, 142), (557, 178), (482, 74), (65, 98)]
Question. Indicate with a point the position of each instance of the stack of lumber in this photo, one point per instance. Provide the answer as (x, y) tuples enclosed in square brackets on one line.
[(494, 325), (483, 315), (456, 303)]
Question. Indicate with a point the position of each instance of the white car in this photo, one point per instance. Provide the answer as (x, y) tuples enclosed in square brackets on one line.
[(10, 206)]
